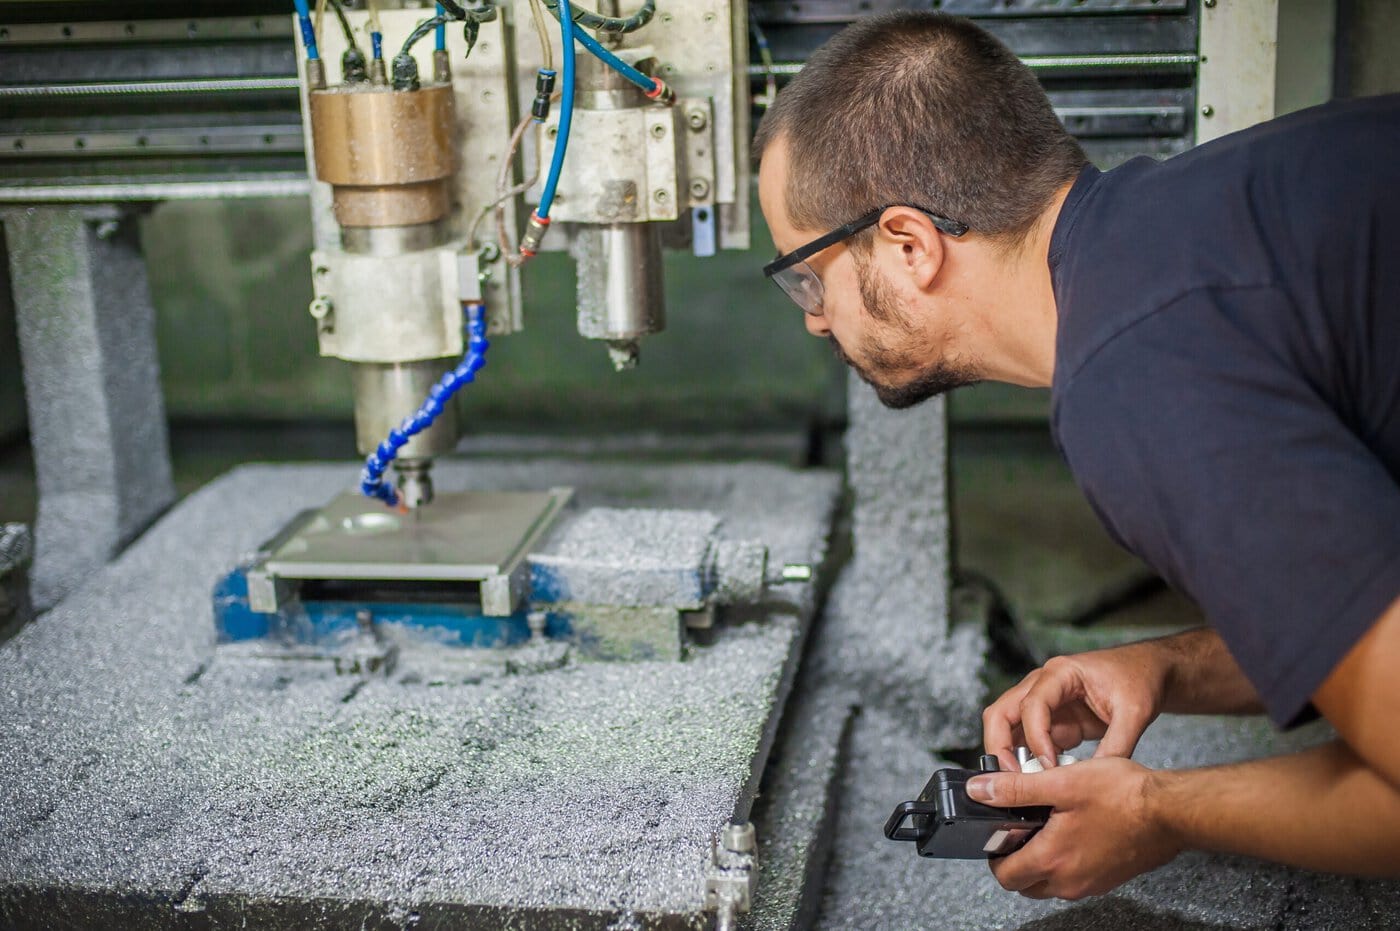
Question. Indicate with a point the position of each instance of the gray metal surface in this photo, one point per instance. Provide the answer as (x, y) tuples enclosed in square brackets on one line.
[(154, 781), (92, 385), (462, 536), (16, 554), (889, 611)]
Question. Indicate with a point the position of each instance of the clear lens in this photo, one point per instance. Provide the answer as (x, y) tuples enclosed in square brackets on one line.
[(801, 284)]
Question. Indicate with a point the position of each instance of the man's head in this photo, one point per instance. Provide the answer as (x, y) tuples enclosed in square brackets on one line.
[(931, 113)]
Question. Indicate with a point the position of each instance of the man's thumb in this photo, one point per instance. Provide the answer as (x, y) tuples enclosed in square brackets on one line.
[(1009, 790)]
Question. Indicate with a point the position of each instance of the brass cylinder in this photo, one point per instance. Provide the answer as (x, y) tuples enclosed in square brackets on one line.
[(388, 155)]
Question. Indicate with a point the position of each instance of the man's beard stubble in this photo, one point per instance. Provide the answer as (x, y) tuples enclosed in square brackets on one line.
[(933, 378)]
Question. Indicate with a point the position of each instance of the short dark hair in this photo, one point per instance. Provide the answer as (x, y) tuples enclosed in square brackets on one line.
[(924, 109)]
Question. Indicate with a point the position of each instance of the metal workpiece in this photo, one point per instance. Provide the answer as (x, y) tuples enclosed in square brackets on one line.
[(387, 154), (92, 385), (386, 393), (477, 537), (621, 295)]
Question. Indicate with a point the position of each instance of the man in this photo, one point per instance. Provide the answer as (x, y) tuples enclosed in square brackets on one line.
[(1221, 336)]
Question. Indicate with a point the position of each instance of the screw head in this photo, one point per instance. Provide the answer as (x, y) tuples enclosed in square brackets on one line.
[(1207, 111), (660, 195), (697, 119), (658, 131), (320, 308), (699, 188), (1209, 4)]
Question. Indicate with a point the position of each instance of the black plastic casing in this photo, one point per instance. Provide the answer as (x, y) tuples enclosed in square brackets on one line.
[(944, 823)]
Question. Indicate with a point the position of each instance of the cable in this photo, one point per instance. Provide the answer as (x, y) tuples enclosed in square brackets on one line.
[(539, 220), (308, 33), (372, 484), (653, 87), (591, 20), (406, 68), (440, 34), (344, 24), (546, 47), (320, 17), (503, 192)]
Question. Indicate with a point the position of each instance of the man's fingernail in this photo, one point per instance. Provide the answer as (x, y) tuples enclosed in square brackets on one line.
[(1046, 762), (980, 789)]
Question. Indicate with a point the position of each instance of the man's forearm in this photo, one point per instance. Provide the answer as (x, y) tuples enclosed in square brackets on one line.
[(1321, 809), (1202, 676)]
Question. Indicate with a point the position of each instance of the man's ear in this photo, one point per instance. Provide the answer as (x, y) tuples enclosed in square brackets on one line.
[(911, 245)]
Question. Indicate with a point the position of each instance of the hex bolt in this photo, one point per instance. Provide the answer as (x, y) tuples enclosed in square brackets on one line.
[(697, 119), (1207, 111), (699, 189), (738, 838), (320, 310), (537, 621), (658, 131)]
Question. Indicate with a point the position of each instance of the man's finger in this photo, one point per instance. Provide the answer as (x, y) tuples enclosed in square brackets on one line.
[(1019, 871), (1002, 718), (1051, 691), (1014, 790), (1123, 733)]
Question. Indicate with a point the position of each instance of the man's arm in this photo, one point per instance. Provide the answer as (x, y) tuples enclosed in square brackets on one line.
[(1203, 678), (1321, 809)]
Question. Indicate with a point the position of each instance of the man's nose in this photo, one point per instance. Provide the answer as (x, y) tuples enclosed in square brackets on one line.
[(817, 325)]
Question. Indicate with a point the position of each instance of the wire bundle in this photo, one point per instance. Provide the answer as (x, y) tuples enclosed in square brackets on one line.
[(372, 484)]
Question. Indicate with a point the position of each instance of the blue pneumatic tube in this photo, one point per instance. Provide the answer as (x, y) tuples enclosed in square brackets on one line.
[(308, 33), (617, 64), (566, 113)]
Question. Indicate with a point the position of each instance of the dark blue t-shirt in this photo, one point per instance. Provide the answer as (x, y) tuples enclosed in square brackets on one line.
[(1227, 379)]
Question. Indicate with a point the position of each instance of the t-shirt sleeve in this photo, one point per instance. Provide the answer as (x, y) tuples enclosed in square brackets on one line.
[(1210, 457)]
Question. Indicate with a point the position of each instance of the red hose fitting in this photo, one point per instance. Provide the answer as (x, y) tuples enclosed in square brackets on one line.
[(661, 91)]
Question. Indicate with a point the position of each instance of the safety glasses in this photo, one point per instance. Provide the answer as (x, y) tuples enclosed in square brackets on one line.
[(792, 273)]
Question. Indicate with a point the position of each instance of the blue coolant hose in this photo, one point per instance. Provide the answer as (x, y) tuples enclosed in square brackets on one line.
[(372, 483)]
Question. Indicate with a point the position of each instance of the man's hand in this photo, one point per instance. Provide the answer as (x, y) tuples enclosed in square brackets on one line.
[(1114, 694), (1108, 695), (1101, 834)]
